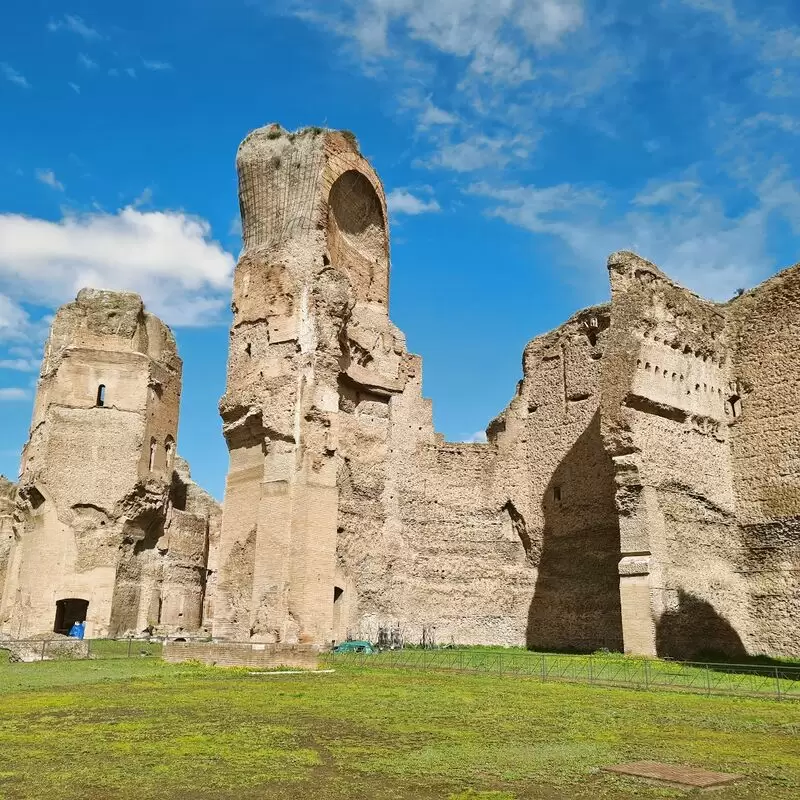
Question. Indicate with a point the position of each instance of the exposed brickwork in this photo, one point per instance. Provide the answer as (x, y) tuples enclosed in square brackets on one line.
[(604, 510), (238, 654), (641, 491), (107, 525)]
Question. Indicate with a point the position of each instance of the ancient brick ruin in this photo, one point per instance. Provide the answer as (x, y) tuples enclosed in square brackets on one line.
[(641, 491), (107, 525)]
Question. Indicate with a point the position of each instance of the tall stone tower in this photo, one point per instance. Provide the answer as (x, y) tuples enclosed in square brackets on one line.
[(96, 474), (310, 327)]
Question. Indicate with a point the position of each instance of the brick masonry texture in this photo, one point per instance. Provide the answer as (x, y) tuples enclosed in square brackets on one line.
[(239, 654), (640, 492)]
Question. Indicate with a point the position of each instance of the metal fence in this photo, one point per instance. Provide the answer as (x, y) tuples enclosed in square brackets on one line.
[(768, 679), (776, 680), (72, 649)]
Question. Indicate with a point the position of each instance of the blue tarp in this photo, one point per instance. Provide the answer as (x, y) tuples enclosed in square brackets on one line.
[(77, 630)]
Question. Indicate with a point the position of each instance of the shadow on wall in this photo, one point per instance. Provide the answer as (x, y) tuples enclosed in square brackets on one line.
[(576, 602), (695, 630)]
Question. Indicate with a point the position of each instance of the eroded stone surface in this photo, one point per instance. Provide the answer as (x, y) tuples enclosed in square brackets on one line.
[(641, 491), (104, 513), (638, 492)]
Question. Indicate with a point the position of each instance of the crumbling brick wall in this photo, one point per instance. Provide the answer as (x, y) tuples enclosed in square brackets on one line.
[(96, 489)]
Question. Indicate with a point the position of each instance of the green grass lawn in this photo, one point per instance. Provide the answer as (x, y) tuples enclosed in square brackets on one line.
[(759, 676), (139, 728)]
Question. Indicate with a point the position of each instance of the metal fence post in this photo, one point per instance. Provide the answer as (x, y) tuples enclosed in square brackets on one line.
[(708, 679), (591, 669), (777, 683), (544, 668), (646, 674), (44, 645), (129, 646)]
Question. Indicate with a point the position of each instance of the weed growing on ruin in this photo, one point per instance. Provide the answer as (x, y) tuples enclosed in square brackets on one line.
[(351, 139)]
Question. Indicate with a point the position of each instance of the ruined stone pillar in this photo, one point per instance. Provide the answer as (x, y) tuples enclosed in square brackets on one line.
[(96, 470), (665, 428), (315, 255)]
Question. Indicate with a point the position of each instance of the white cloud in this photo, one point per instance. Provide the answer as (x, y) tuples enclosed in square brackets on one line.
[(166, 256), (401, 201), (19, 364), (156, 66), (87, 62), (492, 67), (48, 178), (479, 152), (144, 198), (547, 21), (13, 393), (130, 72), (74, 24), (467, 28), (660, 194), (680, 225), (10, 74), (433, 115), (74, 86), (784, 122), (479, 437), (14, 321), (113, 72)]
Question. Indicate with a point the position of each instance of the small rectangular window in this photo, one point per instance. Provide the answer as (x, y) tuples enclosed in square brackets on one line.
[(101, 395)]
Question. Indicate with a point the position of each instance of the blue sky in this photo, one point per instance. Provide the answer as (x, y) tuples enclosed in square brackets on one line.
[(520, 142)]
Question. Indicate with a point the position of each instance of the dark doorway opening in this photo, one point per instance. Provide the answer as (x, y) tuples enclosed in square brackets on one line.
[(101, 395), (68, 612)]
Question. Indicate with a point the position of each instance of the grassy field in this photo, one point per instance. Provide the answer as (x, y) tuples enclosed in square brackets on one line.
[(779, 679), (139, 728)]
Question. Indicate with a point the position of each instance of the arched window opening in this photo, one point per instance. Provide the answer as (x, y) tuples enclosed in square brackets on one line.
[(153, 447), (101, 395), (169, 449)]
